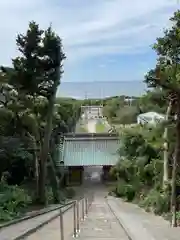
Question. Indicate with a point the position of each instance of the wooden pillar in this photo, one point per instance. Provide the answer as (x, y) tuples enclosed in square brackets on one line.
[(103, 176), (106, 170), (67, 177)]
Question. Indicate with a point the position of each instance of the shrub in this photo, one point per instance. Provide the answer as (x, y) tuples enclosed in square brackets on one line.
[(156, 201), (12, 201), (120, 189), (49, 194), (140, 166), (130, 192), (178, 218), (125, 190)]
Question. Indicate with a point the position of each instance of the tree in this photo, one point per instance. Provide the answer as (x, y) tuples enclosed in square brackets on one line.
[(37, 72), (31, 118), (167, 76), (118, 110), (154, 100), (53, 57)]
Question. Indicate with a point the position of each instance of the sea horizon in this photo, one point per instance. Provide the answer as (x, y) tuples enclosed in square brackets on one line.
[(101, 89)]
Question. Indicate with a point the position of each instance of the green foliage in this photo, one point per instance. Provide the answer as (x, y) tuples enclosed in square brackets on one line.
[(127, 115), (30, 116), (178, 217), (125, 190), (13, 200), (154, 100), (156, 201), (135, 144), (118, 110), (139, 170), (92, 102), (166, 76)]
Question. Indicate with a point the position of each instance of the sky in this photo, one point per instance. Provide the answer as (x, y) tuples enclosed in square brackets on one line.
[(104, 40)]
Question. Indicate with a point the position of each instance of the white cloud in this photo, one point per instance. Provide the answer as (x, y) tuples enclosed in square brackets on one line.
[(88, 28), (102, 65)]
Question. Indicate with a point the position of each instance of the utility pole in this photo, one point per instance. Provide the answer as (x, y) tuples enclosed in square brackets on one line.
[(86, 107), (100, 103)]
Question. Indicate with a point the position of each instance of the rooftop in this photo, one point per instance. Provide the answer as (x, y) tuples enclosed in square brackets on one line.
[(151, 114), (83, 152)]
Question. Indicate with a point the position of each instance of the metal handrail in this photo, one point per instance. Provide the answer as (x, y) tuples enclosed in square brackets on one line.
[(34, 215), (83, 204)]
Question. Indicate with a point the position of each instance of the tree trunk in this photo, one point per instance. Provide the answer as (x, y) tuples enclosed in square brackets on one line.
[(45, 151), (176, 162), (166, 152), (36, 163), (54, 180), (173, 193)]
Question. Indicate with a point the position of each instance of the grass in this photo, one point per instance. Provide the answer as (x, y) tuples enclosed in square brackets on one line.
[(100, 128)]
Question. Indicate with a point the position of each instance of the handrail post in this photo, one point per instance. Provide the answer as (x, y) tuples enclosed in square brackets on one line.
[(61, 225), (88, 200), (74, 220), (83, 215), (78, 220), (91, 200), (86, 204)]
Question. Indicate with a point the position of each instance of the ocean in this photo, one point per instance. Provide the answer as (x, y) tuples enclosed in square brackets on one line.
[(80, 90)]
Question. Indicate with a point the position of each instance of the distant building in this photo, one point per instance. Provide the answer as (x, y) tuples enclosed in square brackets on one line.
[(150, 118), (91, 112)]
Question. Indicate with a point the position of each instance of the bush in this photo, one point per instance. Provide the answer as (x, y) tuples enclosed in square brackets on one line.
[(156, 201), (126, 191), (12, 201), (49, 194), (130, 192), (178, 218), (140, 166)]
